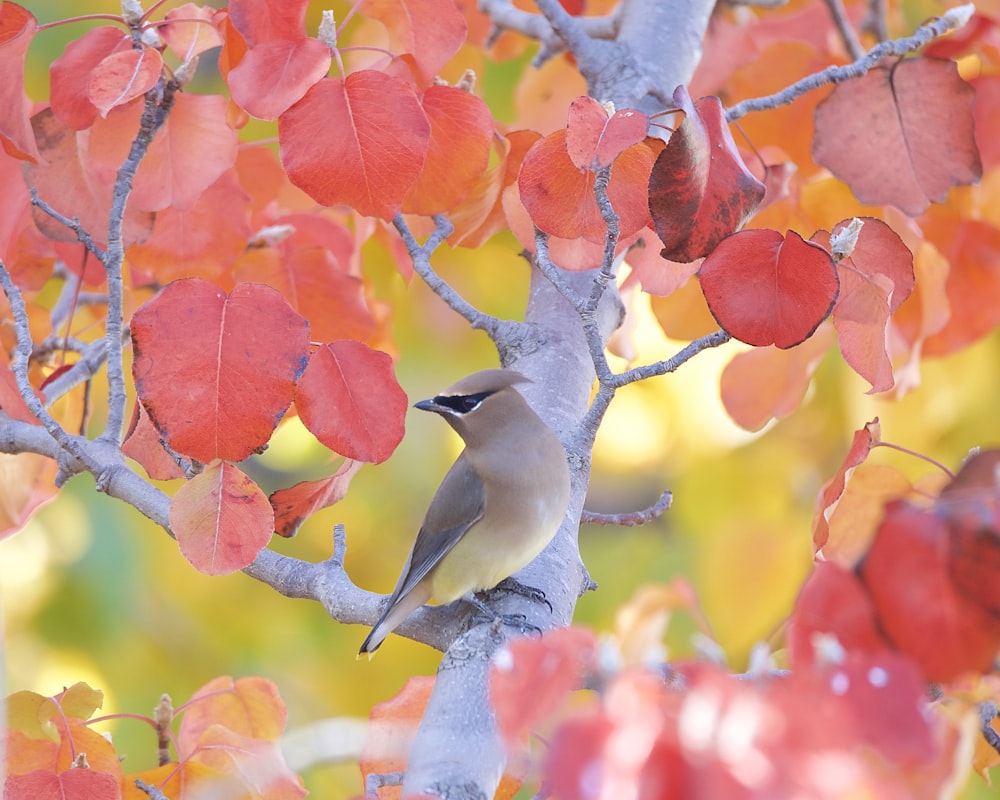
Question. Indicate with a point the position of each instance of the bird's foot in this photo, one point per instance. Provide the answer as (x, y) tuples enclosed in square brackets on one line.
[(511, 586), (485, 614)]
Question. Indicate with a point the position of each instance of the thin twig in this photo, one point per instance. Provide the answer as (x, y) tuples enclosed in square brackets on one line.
[(22, 357), (950, 20), (154, 115), (633, 518), (421, 257), (671, 364), (987, 713), (875, 23), (847, 34), (73, 224)]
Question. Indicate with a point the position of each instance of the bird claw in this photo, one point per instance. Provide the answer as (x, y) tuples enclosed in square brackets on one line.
[(486, 615), (512, 586)]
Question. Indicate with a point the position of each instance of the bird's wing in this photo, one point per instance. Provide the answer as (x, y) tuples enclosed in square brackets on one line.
[(444, 524)]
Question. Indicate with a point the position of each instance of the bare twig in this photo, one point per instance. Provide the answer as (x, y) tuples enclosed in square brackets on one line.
[(22, 357), (154, 114), (151, 791), (421, 257), (632, 518), (987, 713), (92, 358), (850, 38), (950, 20), (73, 224)]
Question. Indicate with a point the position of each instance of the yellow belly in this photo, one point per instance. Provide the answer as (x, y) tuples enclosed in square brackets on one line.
[(484, 557)]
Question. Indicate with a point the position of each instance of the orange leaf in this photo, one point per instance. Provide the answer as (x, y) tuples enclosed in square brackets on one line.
[(765, 288), (193, 148), (293, 506), (594, 140), (216, 372), (249, 706), (221, 520), (392, 726), (429, 30), (883, 134), (360, 141), (275, 74), (260, 765), (457, 153), (185, 35), (700, 191), (17, 29), (829, 495), (560, 197), (121, 77), (350, 400), (768, 383), (70, 74)]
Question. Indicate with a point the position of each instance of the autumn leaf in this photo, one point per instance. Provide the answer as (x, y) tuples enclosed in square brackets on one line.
[(216, 372), (72, 784), (900, 134), (250, 706), (261, 21), (700, 191), (458, 151), (594, 139), (17, 29), (428, 30), (350, 400), (861, 445), (360, 141), (768, 383), (142, 443), (221, 520), (121, 77), (70, 74), (765, 288), (275, 74), (294, 505), (560, 197), (189, 30)]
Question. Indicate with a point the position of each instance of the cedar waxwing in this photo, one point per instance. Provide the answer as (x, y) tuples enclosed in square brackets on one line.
[(498, 507)]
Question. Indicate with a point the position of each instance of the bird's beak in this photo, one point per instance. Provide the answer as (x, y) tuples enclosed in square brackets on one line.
[(427, 405)]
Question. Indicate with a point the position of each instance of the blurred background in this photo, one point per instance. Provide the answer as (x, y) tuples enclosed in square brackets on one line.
[(91, 590)]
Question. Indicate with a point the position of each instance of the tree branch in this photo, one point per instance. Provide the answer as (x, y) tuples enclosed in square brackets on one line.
[(633, 518), (847, 34), (952, 19), (73, 224), (154, 115)]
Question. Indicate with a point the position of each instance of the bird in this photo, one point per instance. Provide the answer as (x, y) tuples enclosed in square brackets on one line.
[(497, 507)]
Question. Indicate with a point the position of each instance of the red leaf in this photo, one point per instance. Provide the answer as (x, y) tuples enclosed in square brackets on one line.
[(216, 372), (293, 506), (533, 678), (261, 21), (907, 573), (276, 74), (700, 191), (185, 35), (458, 151), (190, 152), (829, 495), (221, 520), (250, 706), (560, 198), (429, 30), (72, 784), (900, 135), (142, 443), (833, 602), (61, 182), (392, 727), (17, 29), (764, 288), (121, 77), (69, 74), (359, 141), (875, 279), (350, 400), (594, 140)]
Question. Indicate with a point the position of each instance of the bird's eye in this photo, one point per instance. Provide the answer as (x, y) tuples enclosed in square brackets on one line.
[(468, 403)]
